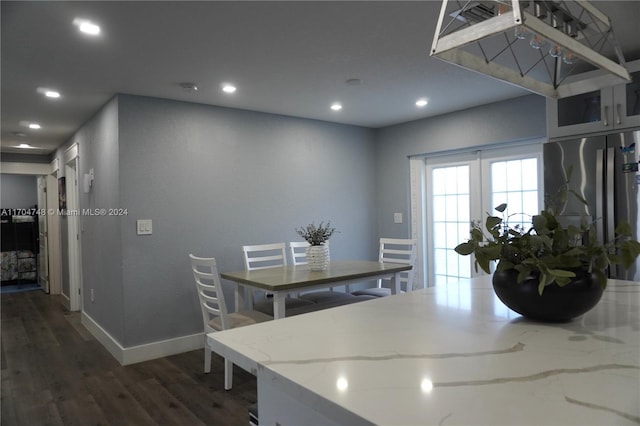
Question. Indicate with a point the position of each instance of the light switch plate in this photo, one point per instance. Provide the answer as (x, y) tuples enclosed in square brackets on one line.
[(144, 227), (397, 218)]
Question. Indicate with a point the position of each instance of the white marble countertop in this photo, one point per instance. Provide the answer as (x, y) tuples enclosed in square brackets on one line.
[(453, 356)]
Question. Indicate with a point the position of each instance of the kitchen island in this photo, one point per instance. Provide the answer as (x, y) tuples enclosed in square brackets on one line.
[(451, 355)]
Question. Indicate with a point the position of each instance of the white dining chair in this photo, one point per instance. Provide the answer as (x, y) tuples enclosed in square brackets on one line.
[(298, 251), (215, 315), (394, 250), (263, 256)]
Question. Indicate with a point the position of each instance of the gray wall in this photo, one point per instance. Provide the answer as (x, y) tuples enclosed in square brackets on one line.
[(18, 191), (512, 120), (101, 240), (211, 179), (101, 246)]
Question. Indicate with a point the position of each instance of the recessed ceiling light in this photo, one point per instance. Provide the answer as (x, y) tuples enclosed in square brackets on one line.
[(24, 146), (189, 87), (228, 88), (29, 124), (336, 106), (86, 26), (49, 93), (421, 102)]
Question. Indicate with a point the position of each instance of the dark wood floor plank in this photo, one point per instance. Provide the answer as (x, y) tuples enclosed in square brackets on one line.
[(194, 397), (55, 373), (7, 407), (118, 405), (36, 325), (38, 408), (167, 408), (14, 333), (81, 411), (10, 306), (17, 349)]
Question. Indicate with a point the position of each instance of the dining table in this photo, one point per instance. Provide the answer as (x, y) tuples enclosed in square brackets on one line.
[(281, 281), (452, 354)]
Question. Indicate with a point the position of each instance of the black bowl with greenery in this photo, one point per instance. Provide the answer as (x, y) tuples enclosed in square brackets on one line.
[(548, 253)]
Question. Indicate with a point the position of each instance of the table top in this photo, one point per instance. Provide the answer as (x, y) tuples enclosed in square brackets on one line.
[(291, 277), (454, 355)]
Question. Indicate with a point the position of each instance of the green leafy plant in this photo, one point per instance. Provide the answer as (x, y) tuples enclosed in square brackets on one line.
[(316, 235), (547, 250)]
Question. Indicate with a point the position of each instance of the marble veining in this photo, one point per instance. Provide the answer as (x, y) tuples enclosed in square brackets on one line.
[(451, 356), (630, 417), (515, 348), (537, 376)]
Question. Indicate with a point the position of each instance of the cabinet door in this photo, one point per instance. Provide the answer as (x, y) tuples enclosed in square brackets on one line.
[(574, 115), (626, 103)]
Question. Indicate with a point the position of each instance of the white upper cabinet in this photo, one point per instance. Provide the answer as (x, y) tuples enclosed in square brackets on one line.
[(611, 108)]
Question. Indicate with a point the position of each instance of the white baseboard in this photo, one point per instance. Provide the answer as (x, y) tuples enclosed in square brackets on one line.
[(146, 352), (163, 348), (101, 335)]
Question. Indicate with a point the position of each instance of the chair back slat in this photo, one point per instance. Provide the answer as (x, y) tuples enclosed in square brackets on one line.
[(398, 250), (263, 256), (212, 303), (298, 250)]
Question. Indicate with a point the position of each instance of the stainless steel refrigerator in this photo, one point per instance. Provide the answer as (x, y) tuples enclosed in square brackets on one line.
[(605, 173)]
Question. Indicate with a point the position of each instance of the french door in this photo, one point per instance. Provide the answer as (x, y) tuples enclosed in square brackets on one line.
[(461, 188)]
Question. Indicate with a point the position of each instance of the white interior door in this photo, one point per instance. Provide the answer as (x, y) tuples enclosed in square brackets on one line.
[(43, 257), (73, 228), (461, 188), (53, 231)]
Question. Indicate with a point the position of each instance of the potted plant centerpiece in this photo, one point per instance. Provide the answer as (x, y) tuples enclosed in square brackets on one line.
[(550, 271), (318, 239)]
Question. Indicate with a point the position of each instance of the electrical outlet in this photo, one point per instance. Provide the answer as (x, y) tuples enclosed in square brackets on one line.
[(397, 218)]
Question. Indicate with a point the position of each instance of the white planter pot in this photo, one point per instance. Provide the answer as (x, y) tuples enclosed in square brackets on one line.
[(318, 257)]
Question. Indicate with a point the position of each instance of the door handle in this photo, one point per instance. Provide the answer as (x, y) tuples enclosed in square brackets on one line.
[(609, 194), (606, 115), (599, 195), (619, 115)]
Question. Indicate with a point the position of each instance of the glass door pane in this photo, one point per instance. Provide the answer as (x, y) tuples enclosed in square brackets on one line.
[(452, 195), (515, 182), (451, 217), (633, 95), (578, 109)]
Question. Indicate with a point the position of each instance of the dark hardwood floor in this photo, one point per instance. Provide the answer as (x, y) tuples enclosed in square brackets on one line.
[(55, 373)]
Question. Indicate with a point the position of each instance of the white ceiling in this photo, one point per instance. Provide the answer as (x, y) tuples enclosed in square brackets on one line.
[(290, 58)]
